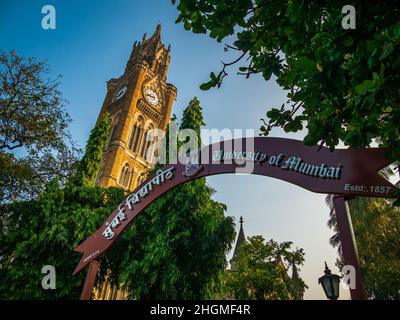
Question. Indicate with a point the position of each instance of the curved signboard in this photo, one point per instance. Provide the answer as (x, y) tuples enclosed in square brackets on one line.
[(341, 172)]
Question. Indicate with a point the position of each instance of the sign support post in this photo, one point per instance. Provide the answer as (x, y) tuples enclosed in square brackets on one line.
[(90, 279), (349, 247)]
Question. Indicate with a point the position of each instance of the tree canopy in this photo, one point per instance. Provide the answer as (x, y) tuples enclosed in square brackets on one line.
[(342, 83), (35, 144), (46, 230), (260, 272), (32, 113), (376, 229)]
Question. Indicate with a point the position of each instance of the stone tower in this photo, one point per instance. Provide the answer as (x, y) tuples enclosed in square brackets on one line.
[(137, 101)]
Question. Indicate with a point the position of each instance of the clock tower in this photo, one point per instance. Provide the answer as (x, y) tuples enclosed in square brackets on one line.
[(137, 101)]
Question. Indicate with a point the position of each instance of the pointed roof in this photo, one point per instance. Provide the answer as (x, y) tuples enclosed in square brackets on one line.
[(295, 277), (240, 239), (149, 50), (157, 34), (154, 41)]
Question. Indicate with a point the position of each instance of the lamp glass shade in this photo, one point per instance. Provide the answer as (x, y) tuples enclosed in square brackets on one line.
[(330, 284)]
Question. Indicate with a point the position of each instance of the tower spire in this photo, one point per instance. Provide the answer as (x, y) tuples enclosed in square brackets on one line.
[(241, 238), (152, 52), (157, 34)]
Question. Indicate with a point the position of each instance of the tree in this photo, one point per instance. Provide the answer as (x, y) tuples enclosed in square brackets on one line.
[(342, 84), (46, 230), (260, 273), (176, 248), (90, 163), (35, 145), (334, 240), (376, 230), (376, 227), (32, 115)]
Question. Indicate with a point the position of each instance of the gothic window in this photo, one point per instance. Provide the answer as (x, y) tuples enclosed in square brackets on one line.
[(140, 179), (136, 135), (147, 143), (125, 176), (111, 133), (114, 123)]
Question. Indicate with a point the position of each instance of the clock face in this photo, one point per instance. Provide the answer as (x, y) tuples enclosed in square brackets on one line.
[(151, 97), (120, 93)]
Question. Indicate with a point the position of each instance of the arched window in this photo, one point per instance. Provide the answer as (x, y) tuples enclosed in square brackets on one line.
[(125, 176), (112, 130), (133, 136), (147, 142), (140, 179), (114, 123), (137, 134)]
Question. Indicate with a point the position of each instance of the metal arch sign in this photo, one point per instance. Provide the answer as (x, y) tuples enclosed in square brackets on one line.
[(340, 172)]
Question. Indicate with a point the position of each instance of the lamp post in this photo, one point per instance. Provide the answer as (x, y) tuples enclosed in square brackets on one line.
[(330, 284)]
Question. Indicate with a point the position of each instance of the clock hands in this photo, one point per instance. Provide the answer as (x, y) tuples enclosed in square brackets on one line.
[(151, 95)]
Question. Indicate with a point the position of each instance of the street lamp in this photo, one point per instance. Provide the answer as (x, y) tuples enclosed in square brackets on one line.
[(330, 284)]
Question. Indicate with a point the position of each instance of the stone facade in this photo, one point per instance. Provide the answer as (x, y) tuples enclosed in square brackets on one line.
[(137, 101)]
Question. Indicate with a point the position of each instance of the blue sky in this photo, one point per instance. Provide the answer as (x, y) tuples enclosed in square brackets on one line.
[(92, 43)]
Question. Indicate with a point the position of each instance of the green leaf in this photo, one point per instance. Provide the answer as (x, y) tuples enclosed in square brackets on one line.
[(305, 64), (273, 113), (207, 85), (187, 25), (364, 87), (310, 140), (387, 51)]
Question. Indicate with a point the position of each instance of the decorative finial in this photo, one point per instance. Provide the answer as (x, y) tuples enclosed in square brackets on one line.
[(144, 36), (241, 221), (157, 33), (327, 270)]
